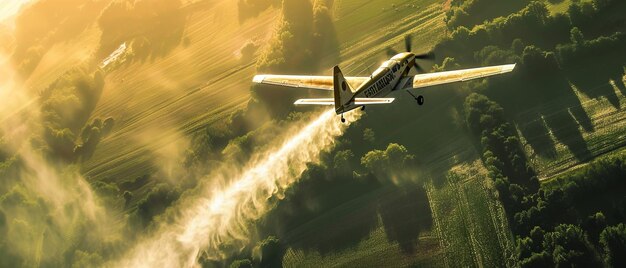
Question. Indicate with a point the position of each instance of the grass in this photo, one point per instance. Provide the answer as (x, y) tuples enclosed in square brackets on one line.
[(560, 6), (469, 220), (609, 126), (163, 99), (363, 50), (375, 251)]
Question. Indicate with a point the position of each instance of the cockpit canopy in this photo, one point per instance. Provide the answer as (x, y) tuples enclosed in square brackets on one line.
[(388, 64), (392, 64), (400, 56)]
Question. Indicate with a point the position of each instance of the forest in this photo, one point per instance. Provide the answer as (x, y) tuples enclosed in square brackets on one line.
[(552, 223)]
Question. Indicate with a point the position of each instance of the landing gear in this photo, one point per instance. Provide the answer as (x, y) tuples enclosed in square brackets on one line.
[(419, 99), (343, 120), (363, 108)]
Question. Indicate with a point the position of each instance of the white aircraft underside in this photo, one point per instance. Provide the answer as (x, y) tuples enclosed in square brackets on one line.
[(354, 92)]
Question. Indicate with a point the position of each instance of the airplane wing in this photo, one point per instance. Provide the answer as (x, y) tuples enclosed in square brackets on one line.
[(331, 101), (432, 79), (303, 81)]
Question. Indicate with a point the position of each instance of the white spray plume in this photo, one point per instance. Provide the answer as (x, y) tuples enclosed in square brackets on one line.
[(219, 218)]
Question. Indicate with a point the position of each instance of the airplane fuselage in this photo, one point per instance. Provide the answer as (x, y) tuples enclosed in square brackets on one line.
[(384, 80)]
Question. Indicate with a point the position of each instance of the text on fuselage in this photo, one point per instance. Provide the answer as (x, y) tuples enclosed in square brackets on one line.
[(379, 85)]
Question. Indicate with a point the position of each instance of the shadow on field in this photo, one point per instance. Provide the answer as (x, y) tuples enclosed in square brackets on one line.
[(323, 213), (543, 104), (330, 214), (405, 213), (592, 77)]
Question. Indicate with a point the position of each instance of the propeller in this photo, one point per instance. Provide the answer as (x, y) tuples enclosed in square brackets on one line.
[(391, 52), (426, 56), (408, 42)]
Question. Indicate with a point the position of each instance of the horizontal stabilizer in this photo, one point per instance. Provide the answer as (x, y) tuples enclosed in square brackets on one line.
[(357, 101), (367, 101), (326, 101)]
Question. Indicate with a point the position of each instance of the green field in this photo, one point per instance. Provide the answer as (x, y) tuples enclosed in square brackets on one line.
[(375, 251), (471, 224), (609, 124)]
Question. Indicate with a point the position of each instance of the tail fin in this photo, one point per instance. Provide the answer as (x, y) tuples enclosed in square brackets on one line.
[(342, 90)]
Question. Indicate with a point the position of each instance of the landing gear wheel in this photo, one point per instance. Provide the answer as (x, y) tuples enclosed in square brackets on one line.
[(363, 108), (343, 120), (420, 100)]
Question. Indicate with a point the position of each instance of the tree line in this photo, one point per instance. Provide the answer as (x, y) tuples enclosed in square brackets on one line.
[(576, 218)]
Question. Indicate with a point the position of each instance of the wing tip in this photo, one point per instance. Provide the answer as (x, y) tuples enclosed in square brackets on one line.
[(258, 79), (508, 68)]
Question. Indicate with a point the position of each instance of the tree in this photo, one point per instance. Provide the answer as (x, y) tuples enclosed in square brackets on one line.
[(3, 223), (388, 164), (128, 196), (107, 125), (369, 135), (343, 160), (271, 252), (86, 259), (613, 242), (159, 198), (576, 36), (502, 152), (325, 45), (594, 225), (245, 263), (569, 246)]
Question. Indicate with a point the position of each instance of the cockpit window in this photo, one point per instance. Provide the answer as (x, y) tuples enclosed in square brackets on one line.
[(388, 63), (395, 68), (399, 56), (378, 71)]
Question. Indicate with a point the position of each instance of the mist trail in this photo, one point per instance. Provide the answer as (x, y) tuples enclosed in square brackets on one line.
[(219, 219)]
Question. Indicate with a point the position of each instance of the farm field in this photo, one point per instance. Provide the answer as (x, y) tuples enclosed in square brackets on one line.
[(468, 219), (194, 85), (376, 250), (609, 126)]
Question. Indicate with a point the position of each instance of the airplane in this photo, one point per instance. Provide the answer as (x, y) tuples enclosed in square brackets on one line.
[(351, 92)]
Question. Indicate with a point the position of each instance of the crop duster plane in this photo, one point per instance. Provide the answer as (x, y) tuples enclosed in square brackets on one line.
[(354, 92)]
